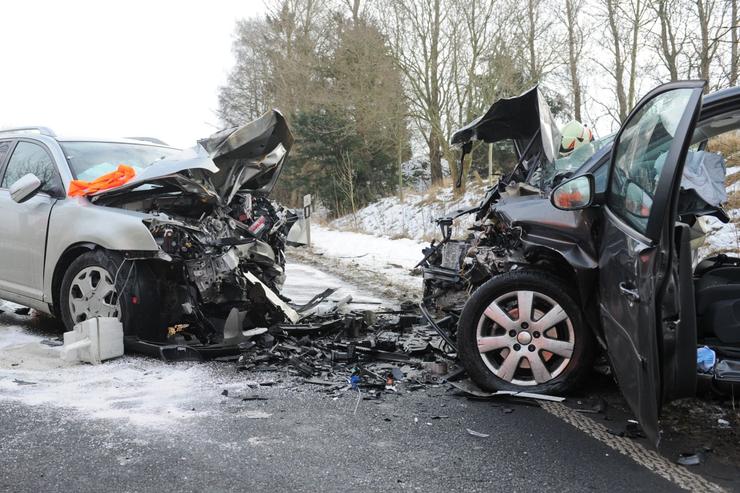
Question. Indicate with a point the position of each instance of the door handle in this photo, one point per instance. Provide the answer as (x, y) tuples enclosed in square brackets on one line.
[(629, 292)]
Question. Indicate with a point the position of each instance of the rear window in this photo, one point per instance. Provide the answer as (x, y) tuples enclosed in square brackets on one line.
[(90, 160)]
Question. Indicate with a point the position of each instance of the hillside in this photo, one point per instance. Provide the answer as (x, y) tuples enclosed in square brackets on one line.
[(412, 218)]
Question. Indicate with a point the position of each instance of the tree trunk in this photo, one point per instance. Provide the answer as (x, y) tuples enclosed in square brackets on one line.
[(435, 141), (636, 21), (435, 158), (573, 43), (533, 70), (618, 62), (667, 39), (734, 55), (704, 52), (355, 6)]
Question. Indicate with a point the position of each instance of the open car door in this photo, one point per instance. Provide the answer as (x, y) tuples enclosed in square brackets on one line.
[(637, 244)]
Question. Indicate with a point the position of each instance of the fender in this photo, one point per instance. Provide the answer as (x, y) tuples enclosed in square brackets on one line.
[(76, 222), (561, 239)]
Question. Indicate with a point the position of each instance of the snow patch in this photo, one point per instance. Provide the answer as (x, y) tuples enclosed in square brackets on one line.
[(414, 217)]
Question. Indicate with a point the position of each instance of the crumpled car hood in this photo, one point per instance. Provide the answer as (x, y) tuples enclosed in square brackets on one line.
[(249, 157), (516, 118)]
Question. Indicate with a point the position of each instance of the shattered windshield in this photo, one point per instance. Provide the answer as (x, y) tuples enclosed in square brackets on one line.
[(90, 160), (545, 175)]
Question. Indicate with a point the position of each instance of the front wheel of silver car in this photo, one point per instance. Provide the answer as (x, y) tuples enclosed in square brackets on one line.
[(523, 331), (92, 294), (100, 283)]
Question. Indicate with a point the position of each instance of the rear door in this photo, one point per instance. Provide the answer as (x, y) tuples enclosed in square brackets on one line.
[(637, 241)]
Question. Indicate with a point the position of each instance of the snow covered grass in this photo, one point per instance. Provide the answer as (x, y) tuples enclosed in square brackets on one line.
[(721, 237), (414, 217)]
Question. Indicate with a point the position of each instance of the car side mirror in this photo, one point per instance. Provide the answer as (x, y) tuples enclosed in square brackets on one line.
[(25, 187), (577, 193)]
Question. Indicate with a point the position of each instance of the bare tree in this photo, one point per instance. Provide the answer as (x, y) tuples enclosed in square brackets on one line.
[(734, 55), (535, 25), (625, 21), (345, 180), (421, 46), (710, 15), (245, 94), (570, 17), (473, 38), (671, 36)]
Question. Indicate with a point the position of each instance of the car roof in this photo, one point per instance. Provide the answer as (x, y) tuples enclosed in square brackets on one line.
[(721, 95), (112, 141), (45, 134)]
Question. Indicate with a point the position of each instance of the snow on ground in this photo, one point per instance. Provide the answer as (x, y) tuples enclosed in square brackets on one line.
[(721, 237), (303, 282), (392, 259), (143, 392), (414, 217)]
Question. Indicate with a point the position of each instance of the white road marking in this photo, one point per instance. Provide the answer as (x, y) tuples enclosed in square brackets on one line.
[(650, 459)]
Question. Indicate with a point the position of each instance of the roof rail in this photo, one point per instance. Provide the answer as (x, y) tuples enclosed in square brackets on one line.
[(41, 130), (153, 140)]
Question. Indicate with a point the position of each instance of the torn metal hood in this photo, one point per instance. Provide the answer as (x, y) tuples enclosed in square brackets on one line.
[(518, 118), (249, 157)]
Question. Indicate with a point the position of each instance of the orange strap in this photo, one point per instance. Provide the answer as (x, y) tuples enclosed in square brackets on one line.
[(78, 188)]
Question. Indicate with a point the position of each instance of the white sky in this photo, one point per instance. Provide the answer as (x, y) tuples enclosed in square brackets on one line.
[(117, 69)]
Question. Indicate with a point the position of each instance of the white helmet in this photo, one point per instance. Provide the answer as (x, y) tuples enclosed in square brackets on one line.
[(575, 134)]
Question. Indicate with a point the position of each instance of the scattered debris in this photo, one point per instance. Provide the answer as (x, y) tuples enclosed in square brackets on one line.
[(94, 340), (255, 414), (599, 408), (689, 459), (374, 353), (470, 388), (631, 430), (477, 433), (52, 342), (706, 358), (23, 382)]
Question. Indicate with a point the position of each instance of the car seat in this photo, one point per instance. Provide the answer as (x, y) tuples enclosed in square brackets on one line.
[(718, 303)]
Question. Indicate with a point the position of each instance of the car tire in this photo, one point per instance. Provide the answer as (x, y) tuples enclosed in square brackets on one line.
[(88, 282), (494, 354)]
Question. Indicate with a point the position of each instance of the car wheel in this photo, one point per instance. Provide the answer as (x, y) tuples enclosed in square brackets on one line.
[(522, 331), (92, 287)]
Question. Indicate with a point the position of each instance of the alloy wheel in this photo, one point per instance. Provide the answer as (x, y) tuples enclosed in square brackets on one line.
[(525, 338), (93, 294)]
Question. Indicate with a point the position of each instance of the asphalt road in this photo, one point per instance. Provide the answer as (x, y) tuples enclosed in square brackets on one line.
[(310, 442), (141, 425)]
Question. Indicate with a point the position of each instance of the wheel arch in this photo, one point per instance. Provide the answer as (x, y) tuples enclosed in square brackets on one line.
[(65, 260), (583, 280)]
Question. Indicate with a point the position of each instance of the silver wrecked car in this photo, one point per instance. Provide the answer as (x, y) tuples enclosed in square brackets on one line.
[(190, 250)]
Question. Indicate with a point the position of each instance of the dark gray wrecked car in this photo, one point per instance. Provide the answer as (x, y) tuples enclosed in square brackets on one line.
[(561, 264), (191, 251)]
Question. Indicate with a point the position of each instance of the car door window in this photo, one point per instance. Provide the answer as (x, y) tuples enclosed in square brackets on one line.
[(32, 158), (640, 155), (4, 147)]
